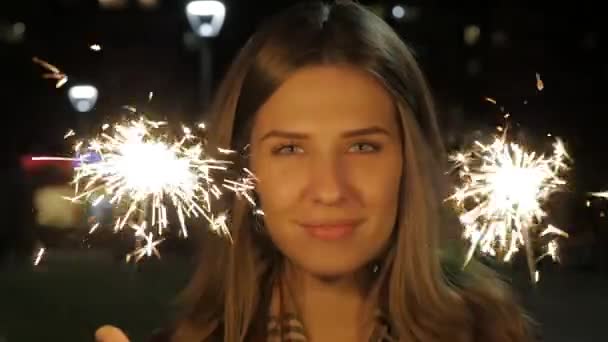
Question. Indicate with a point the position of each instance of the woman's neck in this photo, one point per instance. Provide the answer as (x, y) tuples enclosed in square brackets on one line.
[(331, 309)]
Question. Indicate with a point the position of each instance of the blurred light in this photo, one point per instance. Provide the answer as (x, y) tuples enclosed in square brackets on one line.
[(83, 97), (52, 208), (113, 4), (206, 17), (398, 12), (471, 34), (14, 33), (95, 47), (148, 4), (405, 13), (19, 29)]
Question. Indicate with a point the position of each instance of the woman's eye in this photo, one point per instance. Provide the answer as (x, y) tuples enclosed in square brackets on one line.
[(364, 148), (287, 149)]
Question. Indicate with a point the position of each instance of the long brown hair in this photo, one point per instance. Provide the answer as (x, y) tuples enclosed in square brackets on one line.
[(424, 299)]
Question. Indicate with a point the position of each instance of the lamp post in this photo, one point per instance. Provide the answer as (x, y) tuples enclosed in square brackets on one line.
[(83, 98), (206, 18)]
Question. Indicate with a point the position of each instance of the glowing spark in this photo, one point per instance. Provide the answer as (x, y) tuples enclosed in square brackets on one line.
[(95, 47), (539, 83), (551, 229), (503, 190), (603, 194), (54, 72), (95, 226), (50, 67), (61, 82), (506, 116), (536, 276), (491, 100), (69, 134), (131, 109), (147, 250), (144, 173), (259, 212), (225, 151), (588, 203), (55, 158), (39, 256), (150, 94)]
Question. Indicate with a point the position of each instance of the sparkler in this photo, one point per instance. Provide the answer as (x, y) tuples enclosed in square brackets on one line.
[(139, 169), (502, 192)]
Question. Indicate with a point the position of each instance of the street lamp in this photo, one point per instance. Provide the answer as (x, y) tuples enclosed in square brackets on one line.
[(206, 18), (83, 97)]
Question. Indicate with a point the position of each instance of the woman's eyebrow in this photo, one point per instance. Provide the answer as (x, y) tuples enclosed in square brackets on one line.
[(347, 134)]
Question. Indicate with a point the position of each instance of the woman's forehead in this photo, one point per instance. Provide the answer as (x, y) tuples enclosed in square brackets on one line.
[(329, 93)]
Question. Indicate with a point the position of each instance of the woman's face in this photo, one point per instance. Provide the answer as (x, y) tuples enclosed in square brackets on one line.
[(327, 151)]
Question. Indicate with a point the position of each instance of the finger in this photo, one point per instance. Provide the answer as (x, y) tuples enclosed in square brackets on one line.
[(108, 333)]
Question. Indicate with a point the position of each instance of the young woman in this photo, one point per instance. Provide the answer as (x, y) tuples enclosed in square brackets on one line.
[(339, 127)]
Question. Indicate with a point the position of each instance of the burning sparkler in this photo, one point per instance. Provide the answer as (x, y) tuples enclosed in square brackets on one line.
[(503, 189), (139, 169)]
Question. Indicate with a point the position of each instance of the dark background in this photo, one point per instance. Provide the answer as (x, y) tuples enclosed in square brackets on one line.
[(152, 49)]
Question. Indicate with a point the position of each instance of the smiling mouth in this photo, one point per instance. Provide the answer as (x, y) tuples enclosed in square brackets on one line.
[(331, 230)]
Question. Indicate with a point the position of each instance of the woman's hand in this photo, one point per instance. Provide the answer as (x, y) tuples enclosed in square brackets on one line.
[(109, 333)]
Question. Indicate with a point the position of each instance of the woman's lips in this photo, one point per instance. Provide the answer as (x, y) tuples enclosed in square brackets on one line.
[(331, 231)]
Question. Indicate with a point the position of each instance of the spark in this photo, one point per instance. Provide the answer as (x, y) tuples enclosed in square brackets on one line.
[(491, 100), (131, 109), (551, 229), (144, 173), (95, 47), (39, 256), (539, 83), (55, 158), (69, 134), (603, 194), (150, 95), (259, 212), (94, 227), (502, 192), (225, 151), (147, 250), (54, 72)]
